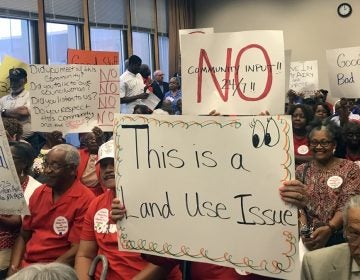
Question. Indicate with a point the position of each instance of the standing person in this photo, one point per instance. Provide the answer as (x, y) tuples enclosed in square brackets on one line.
[(17, 105), (159, 86), (99, 235), (300, 118), (52, 230), (132, 88), (174, 94)]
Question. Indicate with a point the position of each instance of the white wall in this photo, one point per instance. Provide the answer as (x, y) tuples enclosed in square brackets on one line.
[(310, 26)]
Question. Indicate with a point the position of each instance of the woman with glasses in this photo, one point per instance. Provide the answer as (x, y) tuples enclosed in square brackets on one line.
[(329, 182)]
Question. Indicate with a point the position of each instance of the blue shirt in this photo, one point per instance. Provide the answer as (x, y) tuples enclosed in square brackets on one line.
[(174, 99)]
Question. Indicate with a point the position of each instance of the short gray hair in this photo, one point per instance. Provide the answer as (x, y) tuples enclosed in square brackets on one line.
[(354, 202), (53, 271), (72, 154)]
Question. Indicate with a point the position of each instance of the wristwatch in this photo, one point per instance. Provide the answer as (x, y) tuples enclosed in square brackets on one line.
[(3, 112)]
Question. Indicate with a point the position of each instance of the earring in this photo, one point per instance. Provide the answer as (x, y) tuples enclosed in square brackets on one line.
[(22, 173)]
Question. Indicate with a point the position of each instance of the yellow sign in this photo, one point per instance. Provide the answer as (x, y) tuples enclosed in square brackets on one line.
[(9, 63)]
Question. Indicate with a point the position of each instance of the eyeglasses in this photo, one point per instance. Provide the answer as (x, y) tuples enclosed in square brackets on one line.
[(54, 166), (322, 143), (352, 135)]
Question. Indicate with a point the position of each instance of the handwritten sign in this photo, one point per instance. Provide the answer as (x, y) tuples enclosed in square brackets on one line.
[(344, 72), (304, 77), (92, 57), (206, 189), (73, 98), (12, 201), (234, 73), (196, 31), (7, 64)]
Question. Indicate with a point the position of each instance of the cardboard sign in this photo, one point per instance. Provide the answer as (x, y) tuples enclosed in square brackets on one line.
[(7, 64), (73, 98), (12, 201), (206, 189), (238, 73), (92, 57), (304, 77), (344, 72)]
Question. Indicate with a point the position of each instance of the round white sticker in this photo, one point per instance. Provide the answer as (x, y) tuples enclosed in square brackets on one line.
[(101, 217), (61, 225), (241, 272), (101, 220), (303, 149), (334, 182)]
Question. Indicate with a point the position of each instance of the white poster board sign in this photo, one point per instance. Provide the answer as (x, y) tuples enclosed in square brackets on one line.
[(73, 97), (196, 31), (206, 189), (304, 77), (344, 72), (12, 201), (234, 73)]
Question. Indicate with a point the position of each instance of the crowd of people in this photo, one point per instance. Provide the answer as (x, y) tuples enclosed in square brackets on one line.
[(71, 194)]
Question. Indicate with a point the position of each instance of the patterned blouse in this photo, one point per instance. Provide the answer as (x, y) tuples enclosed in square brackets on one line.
[(328, 189)]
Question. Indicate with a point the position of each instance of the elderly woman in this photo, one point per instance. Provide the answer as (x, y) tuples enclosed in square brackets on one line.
[(174, 94), (23, 156), (301, 116), (329, 182)]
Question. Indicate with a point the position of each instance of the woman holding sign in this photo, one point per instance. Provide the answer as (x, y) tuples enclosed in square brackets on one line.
[(329, 182)]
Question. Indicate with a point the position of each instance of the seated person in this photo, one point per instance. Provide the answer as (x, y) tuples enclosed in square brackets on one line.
[(90, 143), (52, 230), (13, 128), (99, 235), (51, 139), (340, 261), (51, 271)]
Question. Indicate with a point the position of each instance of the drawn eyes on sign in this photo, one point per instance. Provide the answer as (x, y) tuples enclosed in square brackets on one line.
[(268, 135), (272, 135), (258, 133)]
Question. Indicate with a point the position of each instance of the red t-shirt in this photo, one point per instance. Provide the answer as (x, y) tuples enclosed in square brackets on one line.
[(98, 227), (301, 146), (54, 226), (205, 271)]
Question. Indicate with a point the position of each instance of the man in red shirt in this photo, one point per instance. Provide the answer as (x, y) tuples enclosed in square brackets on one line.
[(52, 231), (99, 234)]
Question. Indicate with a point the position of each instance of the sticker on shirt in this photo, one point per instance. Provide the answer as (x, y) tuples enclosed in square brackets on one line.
[(334, 182), (61, 225), (303, 150), (101, 222)]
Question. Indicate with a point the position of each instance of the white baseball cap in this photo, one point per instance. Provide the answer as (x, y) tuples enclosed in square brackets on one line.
[(106, 150)]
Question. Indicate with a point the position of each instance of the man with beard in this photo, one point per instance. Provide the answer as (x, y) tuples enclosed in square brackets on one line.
[(52, 231)]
